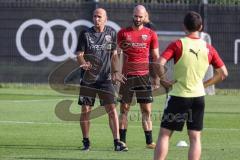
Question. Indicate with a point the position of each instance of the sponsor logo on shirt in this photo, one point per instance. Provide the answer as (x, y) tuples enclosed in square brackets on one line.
[(97, 47), (193, 52), (139, 45), (108, 45), (124, 45)]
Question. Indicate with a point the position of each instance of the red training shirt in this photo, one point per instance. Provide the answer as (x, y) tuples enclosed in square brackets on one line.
[(135, 45)]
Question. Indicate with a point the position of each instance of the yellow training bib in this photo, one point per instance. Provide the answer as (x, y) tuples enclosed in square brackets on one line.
[(190, 69)]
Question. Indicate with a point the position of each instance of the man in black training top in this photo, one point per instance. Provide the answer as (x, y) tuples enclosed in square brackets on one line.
[(97, 56)]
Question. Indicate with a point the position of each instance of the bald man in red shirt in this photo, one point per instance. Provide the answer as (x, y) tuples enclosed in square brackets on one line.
[(135, 42)]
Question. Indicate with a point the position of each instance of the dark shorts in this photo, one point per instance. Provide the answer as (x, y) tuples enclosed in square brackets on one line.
[(141, 85), (88, 92), (180, 110)]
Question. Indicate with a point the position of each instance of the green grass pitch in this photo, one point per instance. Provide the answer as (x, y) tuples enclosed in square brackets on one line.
[(30, 129)]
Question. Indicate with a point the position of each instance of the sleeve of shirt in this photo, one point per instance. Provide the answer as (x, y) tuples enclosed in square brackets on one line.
[(154, 42), (119, 38), (214, 58), (174, 50), (81, 46), (114, 40)]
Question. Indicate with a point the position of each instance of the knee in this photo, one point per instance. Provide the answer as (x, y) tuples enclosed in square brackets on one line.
[(124, 109), (165, 133), (194, 136), (146, 112), (112, 112), (85, 111)]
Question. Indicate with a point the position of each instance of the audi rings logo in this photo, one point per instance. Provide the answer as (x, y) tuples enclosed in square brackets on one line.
[(47, 46)]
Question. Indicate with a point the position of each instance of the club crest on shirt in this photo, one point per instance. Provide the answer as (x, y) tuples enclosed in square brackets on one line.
[(144, 37), (91, 40), (108, 38)]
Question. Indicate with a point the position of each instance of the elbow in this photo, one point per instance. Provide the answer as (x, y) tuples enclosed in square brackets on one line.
[(224, 75), (223, 72), (79, 55)]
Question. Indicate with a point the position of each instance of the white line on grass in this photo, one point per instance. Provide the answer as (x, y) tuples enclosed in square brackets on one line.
[(71, 123)]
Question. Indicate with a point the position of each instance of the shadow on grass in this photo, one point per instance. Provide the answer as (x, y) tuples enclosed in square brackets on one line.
[(50, 147), (45, 158), (47, 147), (60, 148)]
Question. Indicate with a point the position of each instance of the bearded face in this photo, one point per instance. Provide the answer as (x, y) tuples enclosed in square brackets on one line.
[(137, 22), (139, 17)]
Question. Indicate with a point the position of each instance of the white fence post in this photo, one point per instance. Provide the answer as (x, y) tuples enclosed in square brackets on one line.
[(236, 51)]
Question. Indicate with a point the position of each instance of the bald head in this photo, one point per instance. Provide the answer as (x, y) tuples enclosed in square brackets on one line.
[(140, 8), (139, 15), (100, 10), (99, 18)]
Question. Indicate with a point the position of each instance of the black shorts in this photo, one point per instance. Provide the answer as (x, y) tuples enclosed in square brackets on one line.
[(180, 110), (141, 85), (105, 91)]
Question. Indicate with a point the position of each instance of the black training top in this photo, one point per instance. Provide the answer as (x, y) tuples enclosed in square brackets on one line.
[(97, 48)]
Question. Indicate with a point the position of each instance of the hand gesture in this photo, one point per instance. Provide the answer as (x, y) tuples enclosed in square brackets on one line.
[(118, 77), (155, 83), (167, 84), (86, 66)]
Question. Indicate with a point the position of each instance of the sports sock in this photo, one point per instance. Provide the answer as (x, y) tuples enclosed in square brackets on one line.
[(115, 141), (122, 133), (148, 136), (86, 142)]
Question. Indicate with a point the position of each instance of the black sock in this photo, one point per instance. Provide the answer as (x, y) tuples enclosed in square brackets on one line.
[(122, 133), (86, 141), (148, 136), (115, 141)]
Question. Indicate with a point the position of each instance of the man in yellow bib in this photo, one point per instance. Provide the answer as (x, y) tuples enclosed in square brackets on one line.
[(185, 102)]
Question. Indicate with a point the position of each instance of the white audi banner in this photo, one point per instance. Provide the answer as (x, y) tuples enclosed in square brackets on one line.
[(46, 47)]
